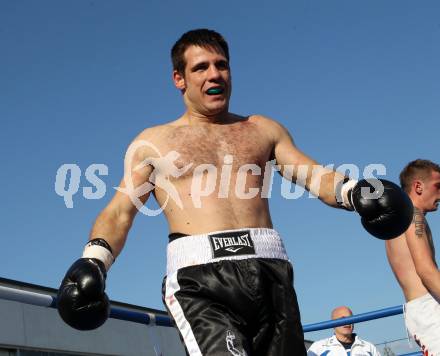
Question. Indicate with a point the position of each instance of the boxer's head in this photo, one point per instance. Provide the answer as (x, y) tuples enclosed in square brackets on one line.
[(421, 180), (204, 38), (201, 72)]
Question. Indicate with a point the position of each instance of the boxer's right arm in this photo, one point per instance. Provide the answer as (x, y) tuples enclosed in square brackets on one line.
[(115, 220), (81, 300), (420, 245)]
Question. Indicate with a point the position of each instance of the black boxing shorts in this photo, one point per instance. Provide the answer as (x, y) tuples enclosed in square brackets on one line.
[(231, 293)]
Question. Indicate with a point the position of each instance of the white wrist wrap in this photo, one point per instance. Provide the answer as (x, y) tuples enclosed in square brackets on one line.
[(346, 187), (100, 253)]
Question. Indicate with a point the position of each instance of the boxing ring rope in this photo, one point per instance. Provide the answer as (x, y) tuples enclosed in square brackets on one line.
[(382, 313), (48, 301)]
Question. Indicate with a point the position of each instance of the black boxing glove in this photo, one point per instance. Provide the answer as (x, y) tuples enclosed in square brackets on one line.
[(386, 210), (81, 301)]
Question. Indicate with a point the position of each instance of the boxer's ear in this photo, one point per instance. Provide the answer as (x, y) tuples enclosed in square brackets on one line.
[(179, 80), (418, 186)]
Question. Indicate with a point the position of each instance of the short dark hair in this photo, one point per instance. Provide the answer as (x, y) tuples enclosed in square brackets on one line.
[(200, 37), (419, 168)]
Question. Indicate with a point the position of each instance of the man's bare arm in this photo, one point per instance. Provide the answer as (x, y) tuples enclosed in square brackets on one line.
[(303, 170), (419, 242), (115, 220), (81, 300), (384, 216)]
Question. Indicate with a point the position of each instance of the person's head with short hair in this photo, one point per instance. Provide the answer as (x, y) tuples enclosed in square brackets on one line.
[(201, 72), (420, 179), (205, 38), (343, 333)]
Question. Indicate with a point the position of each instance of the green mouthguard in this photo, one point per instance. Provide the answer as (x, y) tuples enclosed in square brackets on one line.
[(214, 91)]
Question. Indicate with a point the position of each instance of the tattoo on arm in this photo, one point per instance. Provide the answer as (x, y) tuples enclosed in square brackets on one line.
[(419, 222)]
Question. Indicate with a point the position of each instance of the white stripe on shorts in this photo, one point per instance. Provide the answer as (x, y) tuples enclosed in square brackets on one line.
[(196, 249), (171, 288)]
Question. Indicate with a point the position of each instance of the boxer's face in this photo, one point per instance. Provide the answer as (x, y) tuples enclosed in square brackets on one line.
[(431, 191), (206, 83)]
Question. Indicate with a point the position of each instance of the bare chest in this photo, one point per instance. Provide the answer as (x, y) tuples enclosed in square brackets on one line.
[(238, 144)]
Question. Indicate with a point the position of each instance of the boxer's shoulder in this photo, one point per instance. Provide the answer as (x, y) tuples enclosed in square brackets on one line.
[(271, 128)]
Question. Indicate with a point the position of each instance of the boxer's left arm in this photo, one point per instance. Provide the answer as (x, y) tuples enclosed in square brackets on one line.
[(301, 169), (385, 209)]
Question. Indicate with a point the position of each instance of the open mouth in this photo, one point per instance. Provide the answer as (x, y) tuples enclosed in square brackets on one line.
[(215, 91)]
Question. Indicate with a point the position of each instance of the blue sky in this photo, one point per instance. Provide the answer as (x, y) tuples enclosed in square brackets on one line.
[(354, 82)]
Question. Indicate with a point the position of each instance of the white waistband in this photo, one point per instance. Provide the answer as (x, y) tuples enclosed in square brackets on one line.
[(426, 298), (230, 244)]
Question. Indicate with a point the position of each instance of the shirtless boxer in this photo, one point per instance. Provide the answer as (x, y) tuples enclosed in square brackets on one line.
[(229, 282), (412, 257)]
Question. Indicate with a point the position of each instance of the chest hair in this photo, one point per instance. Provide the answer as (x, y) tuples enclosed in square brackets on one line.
[(207, 144)]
